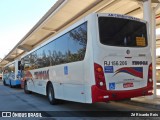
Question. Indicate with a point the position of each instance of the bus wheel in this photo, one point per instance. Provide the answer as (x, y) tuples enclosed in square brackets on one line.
[(4, 83), (11, 85), (26, 88), (50, 95)]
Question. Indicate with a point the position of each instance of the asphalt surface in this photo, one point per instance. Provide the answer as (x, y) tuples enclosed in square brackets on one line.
[(15, 100)]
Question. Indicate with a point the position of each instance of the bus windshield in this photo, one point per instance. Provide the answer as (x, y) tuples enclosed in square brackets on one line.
[(122, 32)]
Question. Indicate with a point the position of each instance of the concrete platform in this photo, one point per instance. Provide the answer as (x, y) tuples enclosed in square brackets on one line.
[(155, 101), (147, 101)]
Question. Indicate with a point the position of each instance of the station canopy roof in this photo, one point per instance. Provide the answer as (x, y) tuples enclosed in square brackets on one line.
[(65, 12)]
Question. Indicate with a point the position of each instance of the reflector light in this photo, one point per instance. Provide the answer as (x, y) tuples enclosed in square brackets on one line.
[(105, 96), (150, 91)]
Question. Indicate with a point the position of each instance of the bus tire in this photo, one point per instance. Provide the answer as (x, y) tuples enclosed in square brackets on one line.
[(128, 99), (4, 83), (11, 85), (26, 88), (50, 95)]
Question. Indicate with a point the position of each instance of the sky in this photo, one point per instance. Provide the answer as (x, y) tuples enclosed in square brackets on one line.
[(17, 19)]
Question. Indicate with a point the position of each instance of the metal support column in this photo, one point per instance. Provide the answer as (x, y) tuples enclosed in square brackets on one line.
[(147, 10), (153, 47), (153, 34), (148, 16)]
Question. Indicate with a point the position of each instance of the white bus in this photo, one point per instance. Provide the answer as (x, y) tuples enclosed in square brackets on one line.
[(100, 58), (11, 74)]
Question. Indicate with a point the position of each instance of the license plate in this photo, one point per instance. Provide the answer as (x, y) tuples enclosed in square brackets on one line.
[(127, 85)]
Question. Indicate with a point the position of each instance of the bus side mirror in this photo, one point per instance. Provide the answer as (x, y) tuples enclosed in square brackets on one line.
[(19, 65), (22, 67)]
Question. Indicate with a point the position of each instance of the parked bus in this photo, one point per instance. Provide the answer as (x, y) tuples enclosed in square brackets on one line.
[(11, 74), (102, 57)]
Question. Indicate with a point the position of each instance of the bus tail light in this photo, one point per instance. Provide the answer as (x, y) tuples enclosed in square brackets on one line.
[(99, 76), (150, 80)]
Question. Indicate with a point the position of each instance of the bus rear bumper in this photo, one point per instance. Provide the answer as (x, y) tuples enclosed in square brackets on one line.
[(15, 82), (99, 95), (7, 82)]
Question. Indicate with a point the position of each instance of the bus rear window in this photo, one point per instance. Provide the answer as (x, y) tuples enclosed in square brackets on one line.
[(122, 32)]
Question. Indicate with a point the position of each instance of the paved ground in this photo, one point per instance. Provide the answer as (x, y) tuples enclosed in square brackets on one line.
[(14, 99)]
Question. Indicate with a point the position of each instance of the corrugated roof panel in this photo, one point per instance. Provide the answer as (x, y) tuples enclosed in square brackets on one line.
[(37, 36), (66, 12)]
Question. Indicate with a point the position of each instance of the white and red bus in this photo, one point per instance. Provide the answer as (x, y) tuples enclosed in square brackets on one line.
[(102, 57)]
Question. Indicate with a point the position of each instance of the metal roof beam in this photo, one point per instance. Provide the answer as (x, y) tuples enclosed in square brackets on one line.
[(26, 48), (153, 1), (9, 59), (134, 12)]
